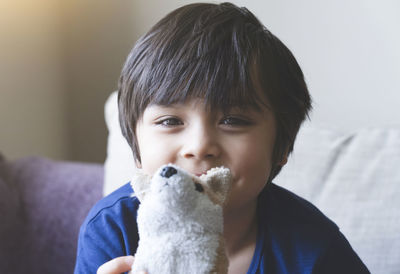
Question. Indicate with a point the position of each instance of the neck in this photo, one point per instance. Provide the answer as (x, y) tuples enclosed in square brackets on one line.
[(240, 229)]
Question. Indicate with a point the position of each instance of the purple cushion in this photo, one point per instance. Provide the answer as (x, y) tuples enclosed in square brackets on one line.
[(44, 204)]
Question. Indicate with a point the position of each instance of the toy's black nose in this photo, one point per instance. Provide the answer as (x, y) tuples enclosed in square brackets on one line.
[(168, 171)]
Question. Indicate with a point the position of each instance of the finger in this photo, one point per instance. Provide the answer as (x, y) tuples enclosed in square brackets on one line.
[(117, 265)]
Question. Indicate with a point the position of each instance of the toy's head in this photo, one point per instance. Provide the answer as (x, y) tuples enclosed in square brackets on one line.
[(183, 213), (176, 188)]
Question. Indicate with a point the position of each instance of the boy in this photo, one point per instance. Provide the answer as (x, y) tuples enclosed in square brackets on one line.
[(208, 86)]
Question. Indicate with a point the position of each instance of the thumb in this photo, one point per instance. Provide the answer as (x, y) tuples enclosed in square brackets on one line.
[(117, 265)]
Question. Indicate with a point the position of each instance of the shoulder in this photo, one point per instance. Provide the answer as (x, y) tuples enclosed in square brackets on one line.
[(118, 203), (115, 214), (287, 208), (291, 221), (109, 231), (294, 221), (300, 236)]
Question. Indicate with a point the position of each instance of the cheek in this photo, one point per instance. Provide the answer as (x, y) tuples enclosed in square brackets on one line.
[(256, 166), (252, 166), (148, 149), (255, 157), (149, 160), (155, 151)]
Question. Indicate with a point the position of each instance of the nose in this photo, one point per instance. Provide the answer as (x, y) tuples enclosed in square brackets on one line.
[(168, 171), (202, 144)]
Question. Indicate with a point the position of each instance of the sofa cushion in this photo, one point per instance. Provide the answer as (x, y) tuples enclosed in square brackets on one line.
[(119, 166), (354, 178), (52, 200)]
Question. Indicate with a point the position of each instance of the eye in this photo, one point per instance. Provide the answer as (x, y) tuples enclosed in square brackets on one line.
[(169, 122), (199, 187), (235, 121)]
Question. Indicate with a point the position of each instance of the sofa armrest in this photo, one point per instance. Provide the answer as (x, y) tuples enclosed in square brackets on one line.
[(50, 201)]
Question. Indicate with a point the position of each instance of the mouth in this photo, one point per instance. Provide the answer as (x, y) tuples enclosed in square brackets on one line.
[(199, 174)]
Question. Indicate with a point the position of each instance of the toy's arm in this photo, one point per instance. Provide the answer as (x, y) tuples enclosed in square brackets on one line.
[(219, 180)]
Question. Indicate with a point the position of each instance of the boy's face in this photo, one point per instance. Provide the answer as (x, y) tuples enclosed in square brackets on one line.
[(196, 139)]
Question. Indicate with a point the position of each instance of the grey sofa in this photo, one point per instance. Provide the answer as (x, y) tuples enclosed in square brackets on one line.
[(42, 205)]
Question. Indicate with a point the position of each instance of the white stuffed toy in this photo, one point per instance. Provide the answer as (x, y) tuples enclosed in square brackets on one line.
[(180, 221)]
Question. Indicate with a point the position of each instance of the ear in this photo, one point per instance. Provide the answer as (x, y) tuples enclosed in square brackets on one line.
[(140, 184), (219, 181), (284, 159)]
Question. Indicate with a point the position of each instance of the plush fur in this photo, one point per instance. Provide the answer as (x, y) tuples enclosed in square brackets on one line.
[(180, 221)]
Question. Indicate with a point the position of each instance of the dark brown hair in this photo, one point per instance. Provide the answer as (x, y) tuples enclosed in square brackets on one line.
[(221, 53)]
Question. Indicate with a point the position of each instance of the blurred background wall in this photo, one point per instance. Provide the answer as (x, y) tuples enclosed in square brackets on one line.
[(33, 94), (59, 60)]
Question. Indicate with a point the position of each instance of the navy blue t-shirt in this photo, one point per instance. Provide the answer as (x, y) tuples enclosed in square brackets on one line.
[(293, 235)]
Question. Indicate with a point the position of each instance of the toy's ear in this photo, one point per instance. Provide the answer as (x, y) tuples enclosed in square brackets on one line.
[(140, 183), (219, 181)]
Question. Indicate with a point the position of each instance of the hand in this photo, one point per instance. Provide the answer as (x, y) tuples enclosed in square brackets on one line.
[(117, 265)]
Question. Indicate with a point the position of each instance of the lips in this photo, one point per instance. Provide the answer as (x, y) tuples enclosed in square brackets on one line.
[(199, 174), (199, 170)]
